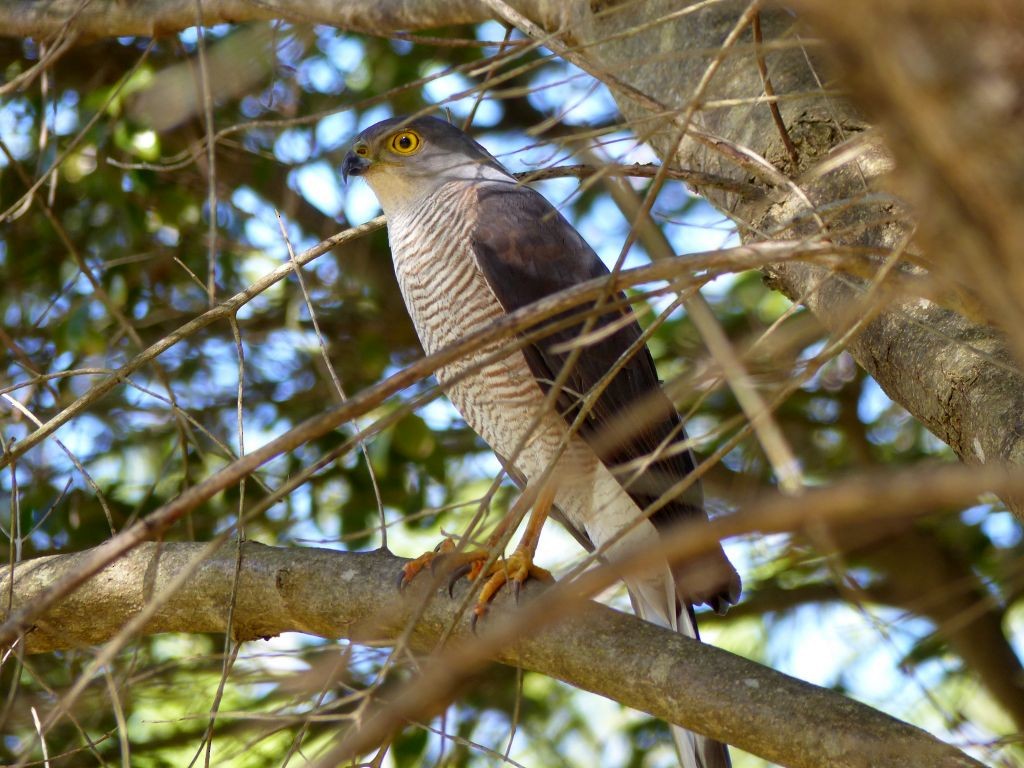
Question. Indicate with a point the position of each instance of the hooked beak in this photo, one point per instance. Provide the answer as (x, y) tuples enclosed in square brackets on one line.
[(354, 165)]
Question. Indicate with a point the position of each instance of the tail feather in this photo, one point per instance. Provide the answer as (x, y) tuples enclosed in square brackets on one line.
[(659, 606)]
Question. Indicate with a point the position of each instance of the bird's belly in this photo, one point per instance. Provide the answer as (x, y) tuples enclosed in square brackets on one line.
[(495, 391), (501, 403)]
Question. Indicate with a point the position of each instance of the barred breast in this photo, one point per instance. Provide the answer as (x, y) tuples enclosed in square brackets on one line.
[(448, 298)]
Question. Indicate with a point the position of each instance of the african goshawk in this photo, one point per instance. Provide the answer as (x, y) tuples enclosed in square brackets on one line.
[(470, 244)]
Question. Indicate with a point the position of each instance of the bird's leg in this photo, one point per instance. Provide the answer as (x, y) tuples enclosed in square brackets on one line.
[(514, 569), (519, 566), (458, 564), (409, 571)]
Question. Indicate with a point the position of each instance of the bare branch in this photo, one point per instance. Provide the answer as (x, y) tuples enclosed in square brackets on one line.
[(352, 595), (151, 18), (864, 499)]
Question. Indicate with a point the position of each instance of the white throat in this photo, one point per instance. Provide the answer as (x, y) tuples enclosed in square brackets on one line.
[(398, 193)]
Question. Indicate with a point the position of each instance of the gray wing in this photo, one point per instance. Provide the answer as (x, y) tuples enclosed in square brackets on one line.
[(526, 251)]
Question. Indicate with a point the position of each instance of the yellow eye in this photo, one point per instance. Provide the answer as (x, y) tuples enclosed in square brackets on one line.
[(405, 142)]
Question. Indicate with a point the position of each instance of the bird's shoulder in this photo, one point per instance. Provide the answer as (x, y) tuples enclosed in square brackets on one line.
[(523, 242)]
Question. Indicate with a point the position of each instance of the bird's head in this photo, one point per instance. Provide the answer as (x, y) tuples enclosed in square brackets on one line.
[(405, 160)]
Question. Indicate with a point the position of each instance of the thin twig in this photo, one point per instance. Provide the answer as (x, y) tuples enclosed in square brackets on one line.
[(769, 91)]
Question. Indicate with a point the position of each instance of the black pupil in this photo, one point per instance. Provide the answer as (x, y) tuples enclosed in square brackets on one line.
[(404, 142)]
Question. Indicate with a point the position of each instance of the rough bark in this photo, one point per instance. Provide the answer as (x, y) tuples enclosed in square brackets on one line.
[(335, 594), (956, 375), (149, 18)]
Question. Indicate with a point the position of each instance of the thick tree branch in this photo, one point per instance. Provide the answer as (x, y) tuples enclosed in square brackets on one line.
[(334, 594), (950, 370), (148, 18), (921, 573)]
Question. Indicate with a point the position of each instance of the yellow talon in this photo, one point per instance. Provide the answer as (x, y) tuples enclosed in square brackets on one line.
[(515, 569), (445, 559)]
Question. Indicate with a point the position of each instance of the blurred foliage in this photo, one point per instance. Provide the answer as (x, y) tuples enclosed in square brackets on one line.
[(113, 253)]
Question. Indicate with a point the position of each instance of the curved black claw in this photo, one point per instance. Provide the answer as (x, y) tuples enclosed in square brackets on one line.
[(402, 582), (457, 574)]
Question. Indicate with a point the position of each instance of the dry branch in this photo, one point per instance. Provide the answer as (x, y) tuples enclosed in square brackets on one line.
[(334, 594), (951, 370), (110, 18)]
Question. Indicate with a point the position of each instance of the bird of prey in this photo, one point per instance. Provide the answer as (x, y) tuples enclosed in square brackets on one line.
[(470, 244)]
